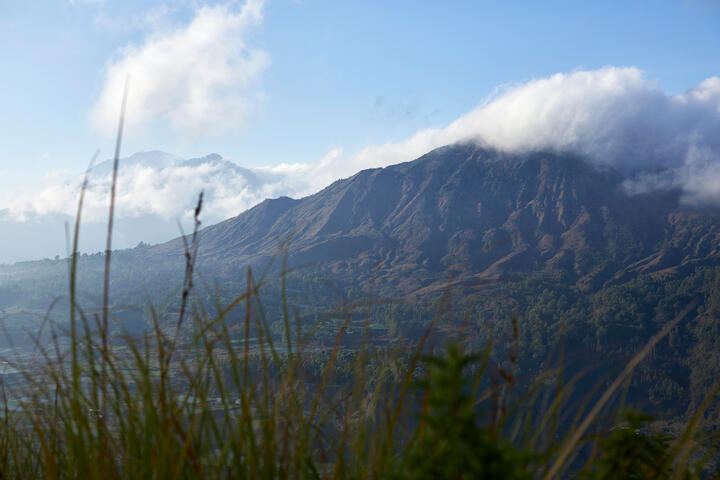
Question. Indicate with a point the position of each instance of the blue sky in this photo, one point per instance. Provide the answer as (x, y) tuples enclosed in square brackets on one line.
[(340, 74)]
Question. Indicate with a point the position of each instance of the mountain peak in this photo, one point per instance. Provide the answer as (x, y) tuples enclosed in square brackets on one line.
[(159, 160), (154, 158)]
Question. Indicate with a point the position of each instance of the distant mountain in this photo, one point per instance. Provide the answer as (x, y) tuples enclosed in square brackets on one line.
[(152, 159), (156, 190), (463, 212), (158, 160)]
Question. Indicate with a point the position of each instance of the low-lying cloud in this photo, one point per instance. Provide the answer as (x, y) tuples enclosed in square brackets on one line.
[(169, 192)]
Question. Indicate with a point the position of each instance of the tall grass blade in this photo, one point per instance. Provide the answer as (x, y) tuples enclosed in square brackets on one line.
[(569, 446)]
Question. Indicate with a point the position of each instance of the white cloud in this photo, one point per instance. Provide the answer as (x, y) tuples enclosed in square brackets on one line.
[(197, 78), (613, 116)]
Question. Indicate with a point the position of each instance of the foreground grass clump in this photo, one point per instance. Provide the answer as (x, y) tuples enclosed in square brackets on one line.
[(206, 397)]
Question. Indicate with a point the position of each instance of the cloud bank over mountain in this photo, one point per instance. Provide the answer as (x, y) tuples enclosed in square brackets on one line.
[(156, 191), (614, 117), (151, 183)]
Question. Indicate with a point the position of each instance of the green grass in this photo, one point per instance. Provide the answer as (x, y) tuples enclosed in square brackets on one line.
[(213, 399)]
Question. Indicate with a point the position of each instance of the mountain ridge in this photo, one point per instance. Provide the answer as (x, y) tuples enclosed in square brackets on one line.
[(462, 211)]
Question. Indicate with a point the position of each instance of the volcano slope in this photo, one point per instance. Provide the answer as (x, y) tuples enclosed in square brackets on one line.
[(462, 212)]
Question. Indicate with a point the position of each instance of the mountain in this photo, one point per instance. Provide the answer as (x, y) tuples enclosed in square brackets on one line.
[(464, 212), (545, 236), (155, 159)]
